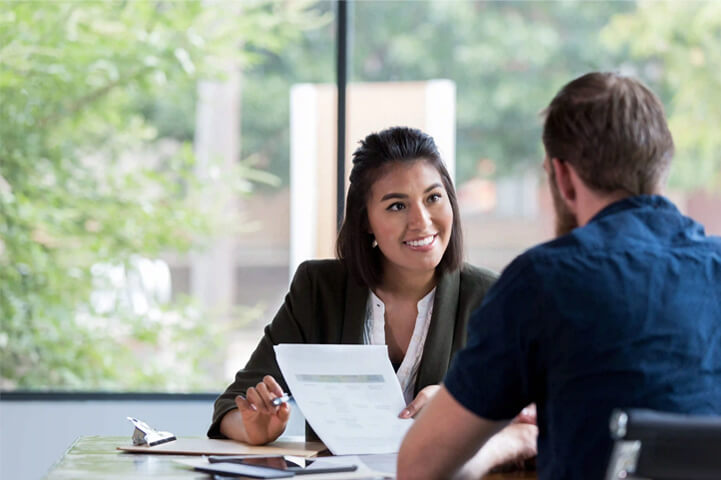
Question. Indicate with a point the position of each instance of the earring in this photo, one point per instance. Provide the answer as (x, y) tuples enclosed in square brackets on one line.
[(374, 244)]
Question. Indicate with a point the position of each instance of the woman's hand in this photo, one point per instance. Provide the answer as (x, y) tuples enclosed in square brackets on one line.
[(423, 397), (257, 421)]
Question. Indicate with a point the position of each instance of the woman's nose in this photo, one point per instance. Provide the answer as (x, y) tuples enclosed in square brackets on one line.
[(419, 217)]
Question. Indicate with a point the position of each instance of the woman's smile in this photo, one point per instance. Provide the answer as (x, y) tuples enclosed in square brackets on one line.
[(410, 217), (422, 244)]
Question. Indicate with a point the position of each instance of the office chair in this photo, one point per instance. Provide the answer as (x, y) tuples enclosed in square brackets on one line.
[(664, 446)]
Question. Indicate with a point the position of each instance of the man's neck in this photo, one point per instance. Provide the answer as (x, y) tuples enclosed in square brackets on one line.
[(591, 202)]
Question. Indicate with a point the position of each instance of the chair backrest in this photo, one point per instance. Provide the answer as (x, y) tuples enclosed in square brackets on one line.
[(664, 446)]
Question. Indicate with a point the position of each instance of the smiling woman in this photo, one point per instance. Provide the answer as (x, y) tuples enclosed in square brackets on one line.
[(399, 280), (402, 203), (412, 222), (388, 168)]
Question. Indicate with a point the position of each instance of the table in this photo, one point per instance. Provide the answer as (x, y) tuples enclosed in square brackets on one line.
[(96, 457)]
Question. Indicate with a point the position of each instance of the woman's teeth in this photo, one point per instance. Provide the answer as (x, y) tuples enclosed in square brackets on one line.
[(420, 243)]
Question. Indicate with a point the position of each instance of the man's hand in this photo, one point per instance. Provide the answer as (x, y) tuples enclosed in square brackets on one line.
[(445, 442), (257, 421), (508, 448), (419, 402), (527, 415), (443, 437)]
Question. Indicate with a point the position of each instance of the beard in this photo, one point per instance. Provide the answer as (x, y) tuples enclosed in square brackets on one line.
[(565, 219)]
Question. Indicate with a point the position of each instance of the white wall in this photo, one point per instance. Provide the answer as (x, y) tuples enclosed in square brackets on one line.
[(35, 434)]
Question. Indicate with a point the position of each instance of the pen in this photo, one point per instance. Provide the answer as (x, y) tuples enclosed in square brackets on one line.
[(281, 400)]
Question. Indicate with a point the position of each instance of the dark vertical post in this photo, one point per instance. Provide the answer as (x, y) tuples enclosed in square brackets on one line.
[(342, 56)]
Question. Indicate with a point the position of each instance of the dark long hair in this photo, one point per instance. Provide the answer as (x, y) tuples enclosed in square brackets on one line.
[(376, 153)]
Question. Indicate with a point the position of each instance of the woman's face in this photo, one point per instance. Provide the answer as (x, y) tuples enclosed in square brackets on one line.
[(410, 214)]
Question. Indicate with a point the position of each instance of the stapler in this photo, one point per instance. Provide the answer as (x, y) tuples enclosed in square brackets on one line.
[(144, 434)]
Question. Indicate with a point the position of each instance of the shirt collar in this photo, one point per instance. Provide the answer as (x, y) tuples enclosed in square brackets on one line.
[(423, 304), (635, 201)]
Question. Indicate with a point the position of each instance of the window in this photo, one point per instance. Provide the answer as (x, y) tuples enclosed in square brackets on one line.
[(144, 186), (149, 220), (507, 60)]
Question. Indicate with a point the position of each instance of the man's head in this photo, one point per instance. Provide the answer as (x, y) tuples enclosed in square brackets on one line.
[(612, 132)]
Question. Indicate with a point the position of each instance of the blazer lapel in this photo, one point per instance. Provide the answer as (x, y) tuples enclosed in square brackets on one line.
[(356, 297), (439, 341)]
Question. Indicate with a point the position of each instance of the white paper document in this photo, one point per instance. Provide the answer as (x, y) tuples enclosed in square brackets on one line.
[(349, 394)]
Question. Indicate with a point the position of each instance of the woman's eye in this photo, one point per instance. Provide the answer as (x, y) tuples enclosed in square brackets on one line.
[(394, 207), (434, 197)]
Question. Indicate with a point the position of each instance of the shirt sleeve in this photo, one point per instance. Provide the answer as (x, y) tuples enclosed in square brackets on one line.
[(490, 376)]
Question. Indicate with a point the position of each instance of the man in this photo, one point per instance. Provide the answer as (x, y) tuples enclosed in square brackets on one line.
[(622, 309)]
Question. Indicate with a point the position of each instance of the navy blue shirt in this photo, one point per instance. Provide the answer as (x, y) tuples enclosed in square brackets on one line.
[(622, 312)]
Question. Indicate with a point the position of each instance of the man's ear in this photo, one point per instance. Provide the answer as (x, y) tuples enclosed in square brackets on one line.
[(566, 187)]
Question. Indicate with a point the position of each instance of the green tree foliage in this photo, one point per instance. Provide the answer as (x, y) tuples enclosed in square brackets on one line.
[(506, 58), (97, 112), (509, 58), (266, 89), (674, 47), (88, 187)]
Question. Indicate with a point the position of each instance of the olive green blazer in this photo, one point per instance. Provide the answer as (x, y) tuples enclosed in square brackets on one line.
[(326, 305)]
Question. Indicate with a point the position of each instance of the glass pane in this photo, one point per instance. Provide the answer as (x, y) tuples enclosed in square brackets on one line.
[(144, 186), (506, 61)]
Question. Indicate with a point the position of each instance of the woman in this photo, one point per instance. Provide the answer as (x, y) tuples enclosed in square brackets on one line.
[(399, 280)]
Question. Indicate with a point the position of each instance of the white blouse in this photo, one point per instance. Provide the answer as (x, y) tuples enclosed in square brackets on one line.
[(374, 334)]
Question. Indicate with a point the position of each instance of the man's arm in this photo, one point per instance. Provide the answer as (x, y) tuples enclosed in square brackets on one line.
[(442, 439)]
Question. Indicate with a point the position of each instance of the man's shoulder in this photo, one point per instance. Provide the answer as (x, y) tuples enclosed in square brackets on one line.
[(633, 228), (520, 274)]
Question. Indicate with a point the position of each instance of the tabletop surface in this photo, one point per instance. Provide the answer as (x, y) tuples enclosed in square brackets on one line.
[(97, 457)]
